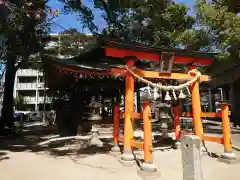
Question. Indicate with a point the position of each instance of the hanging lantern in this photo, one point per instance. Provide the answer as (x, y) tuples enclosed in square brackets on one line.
[(122, 100), (181, 95), (167, 97)]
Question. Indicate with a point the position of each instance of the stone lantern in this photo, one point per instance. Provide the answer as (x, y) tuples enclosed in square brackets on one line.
[(162, 114), (94, 116)]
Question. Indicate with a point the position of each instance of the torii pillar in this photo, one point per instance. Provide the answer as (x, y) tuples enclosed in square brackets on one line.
[(127, 155)]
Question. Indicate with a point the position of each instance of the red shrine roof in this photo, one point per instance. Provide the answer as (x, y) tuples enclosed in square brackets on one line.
[(120, 50), (105, 54), (105, 47)]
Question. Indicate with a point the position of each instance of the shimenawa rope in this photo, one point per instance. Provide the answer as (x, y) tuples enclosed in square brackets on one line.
[(166, 88)]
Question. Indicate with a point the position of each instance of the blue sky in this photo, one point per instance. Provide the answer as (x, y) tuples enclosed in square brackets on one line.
[(70, 21)]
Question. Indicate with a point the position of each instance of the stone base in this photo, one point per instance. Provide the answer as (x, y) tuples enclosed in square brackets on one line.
[(114, 153), (115, 150), (127, 156), (127, 159), (149, 175), (95, 141), (228, 157), (145, 167), (127, 163)]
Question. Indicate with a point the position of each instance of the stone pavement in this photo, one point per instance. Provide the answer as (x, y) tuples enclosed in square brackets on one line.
[(38, 166), (236, 141), (23, 163)]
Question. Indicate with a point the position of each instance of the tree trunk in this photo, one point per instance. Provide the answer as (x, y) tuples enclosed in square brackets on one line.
[(7, 111), (235, 102)]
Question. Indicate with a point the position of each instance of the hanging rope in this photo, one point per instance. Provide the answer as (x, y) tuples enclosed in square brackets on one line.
[(120, 74), (167, 88)]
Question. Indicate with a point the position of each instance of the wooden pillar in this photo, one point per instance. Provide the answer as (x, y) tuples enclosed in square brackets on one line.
[(196, 109), (147, 133), (128, 124), (227, 141), (210, 100), (147, 165), (177, 123), (138, 101), (116, 117), (226, 128)]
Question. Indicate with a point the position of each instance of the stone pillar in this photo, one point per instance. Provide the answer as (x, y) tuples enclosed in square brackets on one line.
[(95, 141), (191, 158)]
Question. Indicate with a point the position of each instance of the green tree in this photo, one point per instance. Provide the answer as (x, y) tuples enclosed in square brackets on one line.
[(231, 5), (22, 28), (153, 22), (221, 20)]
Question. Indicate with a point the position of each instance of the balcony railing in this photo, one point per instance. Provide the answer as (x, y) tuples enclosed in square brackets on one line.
[(47, 100), (33, 100), (29, 100), (30, 85), (26, 85), (40, 85), (28, 72)]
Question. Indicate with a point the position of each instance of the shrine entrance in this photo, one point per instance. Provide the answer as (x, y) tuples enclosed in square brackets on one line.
[(171, 72)]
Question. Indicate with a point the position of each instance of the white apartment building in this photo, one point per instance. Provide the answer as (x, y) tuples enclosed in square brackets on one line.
[(29, 84)]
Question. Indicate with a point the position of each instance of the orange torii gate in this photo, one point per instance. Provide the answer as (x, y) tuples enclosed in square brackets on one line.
[(146, 145), (129, 114), (127, 57)]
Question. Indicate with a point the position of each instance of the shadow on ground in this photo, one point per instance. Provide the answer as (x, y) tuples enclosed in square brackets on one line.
[(31, 136), (3, 156)]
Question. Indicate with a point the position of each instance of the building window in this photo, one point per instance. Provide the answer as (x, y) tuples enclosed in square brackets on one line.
[(27, 79)]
